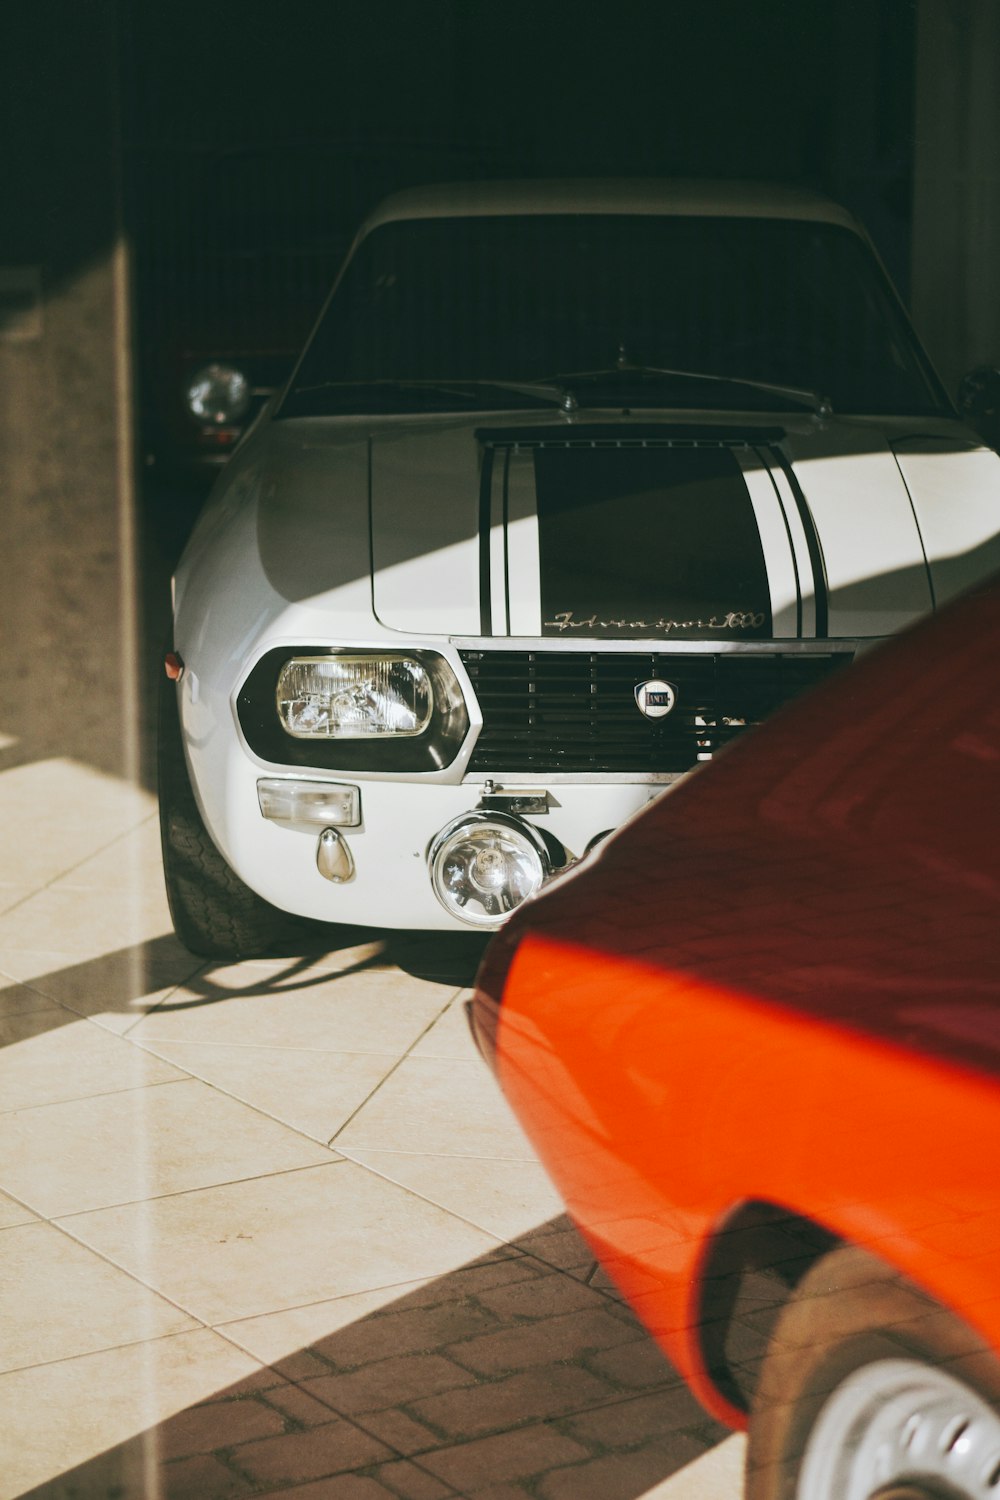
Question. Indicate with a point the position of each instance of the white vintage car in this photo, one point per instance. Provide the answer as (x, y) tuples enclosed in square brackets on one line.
[(572, 484)]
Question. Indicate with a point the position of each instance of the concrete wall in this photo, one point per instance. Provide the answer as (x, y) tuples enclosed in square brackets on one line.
[(66, 642), (956, 204)]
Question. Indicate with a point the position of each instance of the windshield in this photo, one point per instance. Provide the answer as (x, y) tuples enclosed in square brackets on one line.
[(639, 302)]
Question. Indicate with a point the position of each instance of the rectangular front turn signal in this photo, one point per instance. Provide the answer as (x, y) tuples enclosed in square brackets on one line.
[(318, 804)]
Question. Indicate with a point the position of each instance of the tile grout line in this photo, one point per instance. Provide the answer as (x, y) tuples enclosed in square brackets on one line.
[(60, 1226), (282, 1047), (382, 1082), (608, 1296), (21, 1204), (422, 1197), (437, 1155), (135, 1088), (395, 1454), (105, 1094), (208, 1187), (257, 1109), (190, 1077), (388, 1286), (169, 992), (65, 1359), (218, 1328), (254, 1108), (103, 848)]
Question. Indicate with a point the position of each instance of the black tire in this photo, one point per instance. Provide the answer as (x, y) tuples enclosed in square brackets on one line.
[(214, 914), (849, 1311)]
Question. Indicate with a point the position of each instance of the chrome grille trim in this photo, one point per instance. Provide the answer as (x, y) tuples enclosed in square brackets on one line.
[(574, 712), (843, 646)]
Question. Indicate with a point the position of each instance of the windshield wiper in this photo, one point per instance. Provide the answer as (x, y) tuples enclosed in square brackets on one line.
[(623, 371), (546, 393)]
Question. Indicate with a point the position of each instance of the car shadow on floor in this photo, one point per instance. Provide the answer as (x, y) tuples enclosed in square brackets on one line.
[(519, 1374), (139, 979)]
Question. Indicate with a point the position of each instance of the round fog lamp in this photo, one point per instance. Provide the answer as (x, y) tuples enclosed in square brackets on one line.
[(484, 864)]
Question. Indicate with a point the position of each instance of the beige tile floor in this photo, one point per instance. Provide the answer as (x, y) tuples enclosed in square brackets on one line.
[(269, 1228)]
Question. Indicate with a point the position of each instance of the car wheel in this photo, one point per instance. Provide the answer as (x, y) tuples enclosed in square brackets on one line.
[(213, 912), (870, 1390)]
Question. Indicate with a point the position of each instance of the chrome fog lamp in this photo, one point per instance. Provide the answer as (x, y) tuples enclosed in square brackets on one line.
[(483, 865), (321, 804), (218, 394), (354, 697)]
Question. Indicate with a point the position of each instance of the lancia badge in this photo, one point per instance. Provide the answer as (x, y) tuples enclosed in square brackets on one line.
[(655, 699)]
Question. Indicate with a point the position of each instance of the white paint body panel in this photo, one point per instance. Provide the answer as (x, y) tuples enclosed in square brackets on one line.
[(876, 575), (425, 530), (523, 573), (953, 488)]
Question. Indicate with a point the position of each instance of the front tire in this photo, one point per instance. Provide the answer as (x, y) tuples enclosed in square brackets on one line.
[(214, 913), (872, 1391)]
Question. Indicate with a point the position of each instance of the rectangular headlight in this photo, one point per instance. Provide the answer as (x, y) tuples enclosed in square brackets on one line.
[(354, 697), (322, 803)]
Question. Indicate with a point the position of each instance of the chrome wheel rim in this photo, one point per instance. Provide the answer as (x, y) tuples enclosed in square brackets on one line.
[(899, 1428)]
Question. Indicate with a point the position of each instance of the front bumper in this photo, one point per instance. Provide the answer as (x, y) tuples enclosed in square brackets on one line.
[(401, 815), (390, 885)]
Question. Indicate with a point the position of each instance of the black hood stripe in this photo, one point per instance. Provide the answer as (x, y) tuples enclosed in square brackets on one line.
[(485, 521), (821, 587), (649, 541)]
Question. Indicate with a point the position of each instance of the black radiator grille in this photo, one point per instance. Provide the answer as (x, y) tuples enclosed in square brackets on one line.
[(575, 711)]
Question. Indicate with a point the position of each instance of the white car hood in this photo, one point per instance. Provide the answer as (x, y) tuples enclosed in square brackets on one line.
[(731, 528)]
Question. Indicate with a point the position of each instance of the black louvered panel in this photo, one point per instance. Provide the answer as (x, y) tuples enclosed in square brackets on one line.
[(576, 711)]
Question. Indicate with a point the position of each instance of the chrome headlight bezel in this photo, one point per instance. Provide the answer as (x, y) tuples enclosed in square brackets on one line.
[(464, 829), (218, 395), (433, 748)]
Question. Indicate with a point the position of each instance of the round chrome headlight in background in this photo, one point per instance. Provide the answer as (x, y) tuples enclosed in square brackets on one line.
[(218, 394), (483, 865)]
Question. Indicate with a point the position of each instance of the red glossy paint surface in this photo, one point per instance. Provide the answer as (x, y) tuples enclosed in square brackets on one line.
[(782, 982)]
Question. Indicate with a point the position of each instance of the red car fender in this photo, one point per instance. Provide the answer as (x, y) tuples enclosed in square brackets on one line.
[(720, 1097)]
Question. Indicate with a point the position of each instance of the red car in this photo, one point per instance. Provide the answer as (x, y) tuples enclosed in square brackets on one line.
[(756, 1040)]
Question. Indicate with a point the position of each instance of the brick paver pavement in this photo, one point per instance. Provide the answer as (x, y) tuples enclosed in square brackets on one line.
[(493, 1382)]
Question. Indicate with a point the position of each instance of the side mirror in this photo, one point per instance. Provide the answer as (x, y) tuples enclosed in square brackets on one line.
[(979, 402)]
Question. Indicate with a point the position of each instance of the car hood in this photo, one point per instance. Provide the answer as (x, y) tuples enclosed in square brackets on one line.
[(660, 527), (675, 527)]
